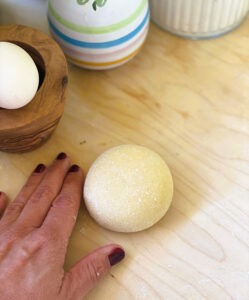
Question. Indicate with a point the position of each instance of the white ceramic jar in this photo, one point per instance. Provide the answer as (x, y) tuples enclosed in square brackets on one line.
[(99, 34), (198, 18)]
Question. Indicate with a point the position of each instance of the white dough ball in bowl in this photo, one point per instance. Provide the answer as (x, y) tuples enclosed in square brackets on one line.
[(19, 77), (128, 188)]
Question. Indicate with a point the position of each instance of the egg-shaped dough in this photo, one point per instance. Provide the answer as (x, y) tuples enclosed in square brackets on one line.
[(128, 188), (19, 77)]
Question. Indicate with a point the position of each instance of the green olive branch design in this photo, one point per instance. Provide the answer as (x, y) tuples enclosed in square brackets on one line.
[(96, 3)]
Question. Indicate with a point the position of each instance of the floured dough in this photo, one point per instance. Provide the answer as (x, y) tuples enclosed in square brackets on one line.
[(128, 188)]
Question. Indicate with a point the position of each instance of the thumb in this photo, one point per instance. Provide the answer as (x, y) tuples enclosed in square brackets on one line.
[(90, 270), (3, 200)]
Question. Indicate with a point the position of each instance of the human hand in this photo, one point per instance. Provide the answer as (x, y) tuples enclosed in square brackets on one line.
[(34, 234)]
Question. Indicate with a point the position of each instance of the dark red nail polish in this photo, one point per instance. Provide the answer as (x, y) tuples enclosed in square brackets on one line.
[(61, 156), (116, 256), (0, 194), (74, 169), (40, 168)]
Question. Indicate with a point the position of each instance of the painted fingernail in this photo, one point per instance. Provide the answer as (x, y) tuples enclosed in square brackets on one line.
[(0, 194), (61, 156), (74, 169), (116, 256), (40, 168)]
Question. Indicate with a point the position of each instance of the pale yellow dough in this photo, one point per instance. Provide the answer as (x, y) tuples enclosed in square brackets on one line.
[(128, 188)]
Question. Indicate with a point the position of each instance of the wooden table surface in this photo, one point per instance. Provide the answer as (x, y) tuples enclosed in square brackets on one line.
[(189, 101)]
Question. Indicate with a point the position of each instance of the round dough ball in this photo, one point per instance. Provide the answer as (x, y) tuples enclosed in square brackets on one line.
[(19, 77), (128, 188)]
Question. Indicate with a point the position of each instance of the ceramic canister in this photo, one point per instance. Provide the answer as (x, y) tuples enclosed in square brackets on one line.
[(198, 19), (99, 34)]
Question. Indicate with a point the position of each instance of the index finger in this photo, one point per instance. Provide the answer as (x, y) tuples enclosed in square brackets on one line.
[(62, 215)]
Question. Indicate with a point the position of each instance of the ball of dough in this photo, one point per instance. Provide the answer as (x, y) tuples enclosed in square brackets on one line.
[(128, 188), (19, 77)]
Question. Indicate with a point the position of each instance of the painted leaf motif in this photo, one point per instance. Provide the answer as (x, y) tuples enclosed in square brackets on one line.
[(96, 3), (100, 3), (82, 2)]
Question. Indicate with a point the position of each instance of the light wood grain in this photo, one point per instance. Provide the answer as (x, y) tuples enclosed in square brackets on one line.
[(26, 128), (188, 100)]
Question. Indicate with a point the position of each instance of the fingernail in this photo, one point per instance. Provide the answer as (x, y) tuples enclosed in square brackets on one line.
[(0, 194), (40, 168), (61, 156), (74, 169), (116, 256)]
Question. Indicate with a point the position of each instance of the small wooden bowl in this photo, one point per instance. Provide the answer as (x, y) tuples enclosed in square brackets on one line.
[(26, 128)]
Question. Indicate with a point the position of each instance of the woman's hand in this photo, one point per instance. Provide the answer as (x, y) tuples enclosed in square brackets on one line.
[(34, 235)]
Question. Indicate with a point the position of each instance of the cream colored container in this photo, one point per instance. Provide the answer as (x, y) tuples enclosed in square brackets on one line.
[(198, 18), (99, 35)]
